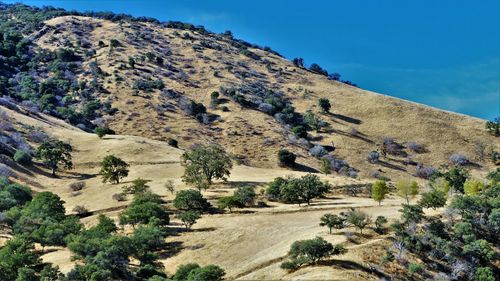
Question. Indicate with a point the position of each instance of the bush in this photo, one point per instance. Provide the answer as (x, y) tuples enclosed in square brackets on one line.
[(318, 69), (415, 268), (459, 159), (318, 151), (373, 157), (102, 131), (190, 199), (80, 210), (119, 197), (173, 143), (76, 186), (22, 157), (325, 105), (300, 131), (416, 147), (493, 127), (286, 158), (246, 195), (425, 172)]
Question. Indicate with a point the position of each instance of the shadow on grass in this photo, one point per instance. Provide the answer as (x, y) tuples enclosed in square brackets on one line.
[(346, 264)]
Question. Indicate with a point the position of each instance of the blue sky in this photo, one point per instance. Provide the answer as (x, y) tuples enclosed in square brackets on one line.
[(442, 53)]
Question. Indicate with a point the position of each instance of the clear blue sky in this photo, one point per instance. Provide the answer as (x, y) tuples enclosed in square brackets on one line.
[(442, 53)]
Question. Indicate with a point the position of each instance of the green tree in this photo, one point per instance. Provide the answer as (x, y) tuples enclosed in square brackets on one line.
[(380, 222), (310, 252), (138, 186), (457, 176), (358, 219), (332, 221), (191, 199), (313, 121), (182, 272), (189, 218), (441, 184), (325, 105), (206, 273), (411, 213), (229, 202), (102, 131), (407, 189), (484, 274), (17, 253), (325, 166), (433, 199), (493, 127), (246, 195), (203, 164), (146, 241), (379, 191), (55, 154), (113, 169)]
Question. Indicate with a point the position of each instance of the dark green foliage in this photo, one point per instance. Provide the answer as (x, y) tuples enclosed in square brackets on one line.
[(411, 213), (246, 195), (457, 176), (193, 272), (12, 195), (318, 69), (102, 131), (300, 131), (204, 163), (380, 222), (332, 221), (324, 104), (286, 158), (191, 199), (144, 211), (189, 218), (16, 254), (66, 55), (22, 157), (310, 252), (433, 199), (55, 154), (138, 186), (131, 62), (149, 85), (113, 169), (297, 190), (229, 202)]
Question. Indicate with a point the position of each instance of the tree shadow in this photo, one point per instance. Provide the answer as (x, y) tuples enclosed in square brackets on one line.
[(304, 168), (347, 264), (391, 166), (236, 184), (346, 118), (172, 249)]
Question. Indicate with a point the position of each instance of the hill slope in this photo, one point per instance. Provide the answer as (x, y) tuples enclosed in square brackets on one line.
[(193, 65)]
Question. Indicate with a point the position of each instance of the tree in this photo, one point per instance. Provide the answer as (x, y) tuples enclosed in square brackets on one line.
[(131, 62), (298, 62), (411, 213), (55, 154), (113, 169), (189, 218), (246, 195), (182, 272), (207, 273), (145, 213), (332, 221), (304, 189), (190, 199), (433, 199), (138, 186), (300, 131), (310, 252), (203, 164), (313, 121), (484, 274), (22, 157), (473, 186), (441, 184), (102, 131), (457, 176), (407, 189), (145, 241), (286, 158), (359, 219), (325, 105), (229, 202), (17, 253), (379, 191)]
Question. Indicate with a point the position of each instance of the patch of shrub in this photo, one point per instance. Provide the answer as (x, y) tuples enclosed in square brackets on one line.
[(22, 157), (102, 131), (318, 151), (425, 172), (459, 159), (119, 197), (76, 186), (416, 147), (373, 157), (286, 158), (493, 127), (80, 210), (148, 85)]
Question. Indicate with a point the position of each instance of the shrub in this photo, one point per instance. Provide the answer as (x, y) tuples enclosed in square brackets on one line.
[(318, 151), (286, 158), (459, 159), (119, 197), (473, 186), (22, 157), (76, 186), (80, 210), (373, 157), (190, 199), (415, 268), (493, 127), (425, 172), (324, 104), (380, 222), (300, 131), (102, 131), (318, 69), (189, 218), (433, 199), (229, 202), (173, 142), (416, 147), (246, 195), (325, 166), (138, 186)]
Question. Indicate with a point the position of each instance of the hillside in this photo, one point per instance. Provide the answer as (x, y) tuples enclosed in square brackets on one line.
[(194, 65), (398, 190)]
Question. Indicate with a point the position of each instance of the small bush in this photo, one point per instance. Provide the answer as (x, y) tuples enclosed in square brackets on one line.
[(459, 159), (102, 131), (22, 157), (119, 197), (415, 268), (173, 142), (373, 157), (286, 158), (318, 151), (416, 147), (76, 186), (425, 172), (80, 210)]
